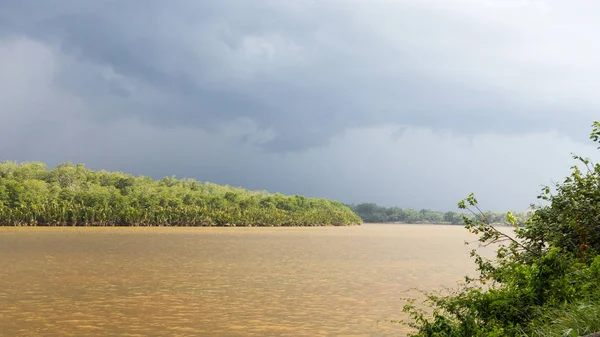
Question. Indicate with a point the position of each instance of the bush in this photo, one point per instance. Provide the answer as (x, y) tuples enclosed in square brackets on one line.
[(540, 276)]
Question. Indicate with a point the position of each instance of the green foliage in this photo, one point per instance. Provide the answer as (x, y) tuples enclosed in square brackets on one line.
[(72, 195), (541, 274), (574, 320), (373, 213)]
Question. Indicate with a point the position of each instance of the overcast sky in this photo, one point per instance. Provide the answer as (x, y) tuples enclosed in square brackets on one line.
[(412, 103)]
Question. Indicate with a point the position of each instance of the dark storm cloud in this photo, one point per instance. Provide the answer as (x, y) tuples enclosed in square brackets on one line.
[(307, 70), (411, 103)]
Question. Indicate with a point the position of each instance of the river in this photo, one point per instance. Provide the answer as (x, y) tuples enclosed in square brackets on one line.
[(210, 281)]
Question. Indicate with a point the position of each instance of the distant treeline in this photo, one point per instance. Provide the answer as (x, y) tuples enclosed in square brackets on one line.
[(373, 213), (72, 195)]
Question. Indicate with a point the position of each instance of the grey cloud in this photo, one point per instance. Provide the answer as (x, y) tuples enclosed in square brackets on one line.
[(310, 70), (417, 168), (406, 103)]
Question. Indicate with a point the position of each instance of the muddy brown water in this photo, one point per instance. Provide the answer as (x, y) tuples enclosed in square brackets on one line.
[(162, 281)]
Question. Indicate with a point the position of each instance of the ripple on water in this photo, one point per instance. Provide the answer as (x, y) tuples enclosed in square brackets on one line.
[(221, 281)]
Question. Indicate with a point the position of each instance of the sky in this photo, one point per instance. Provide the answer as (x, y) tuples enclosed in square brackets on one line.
[(413, 103)]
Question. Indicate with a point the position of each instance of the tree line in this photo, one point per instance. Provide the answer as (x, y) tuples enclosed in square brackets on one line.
[(373, 213), (72, 195)]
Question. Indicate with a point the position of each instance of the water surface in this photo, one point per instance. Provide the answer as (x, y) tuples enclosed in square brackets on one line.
[(161, 281)]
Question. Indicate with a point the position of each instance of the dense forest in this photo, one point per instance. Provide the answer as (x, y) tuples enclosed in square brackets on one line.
[(72, 195), (372, 213), (543, 279)]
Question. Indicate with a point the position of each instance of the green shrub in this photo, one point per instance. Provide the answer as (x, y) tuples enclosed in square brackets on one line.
[(540, 275)]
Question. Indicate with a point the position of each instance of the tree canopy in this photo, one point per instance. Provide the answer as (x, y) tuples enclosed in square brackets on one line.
[(31, 194), (373, 213)]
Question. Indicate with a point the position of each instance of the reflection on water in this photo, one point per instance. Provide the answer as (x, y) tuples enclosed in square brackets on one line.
[(318, 281)]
